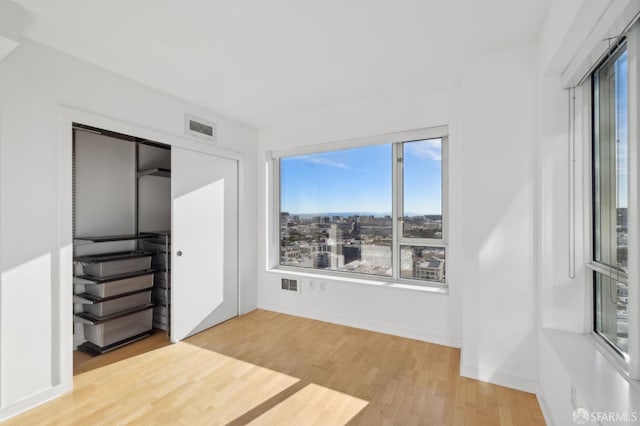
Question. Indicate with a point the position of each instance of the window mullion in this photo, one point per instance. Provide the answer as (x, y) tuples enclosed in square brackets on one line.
[(445, 188), (274, 242), (397, 208)]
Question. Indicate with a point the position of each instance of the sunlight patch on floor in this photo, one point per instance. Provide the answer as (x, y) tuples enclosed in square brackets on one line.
[(313, 405), (180, 382)]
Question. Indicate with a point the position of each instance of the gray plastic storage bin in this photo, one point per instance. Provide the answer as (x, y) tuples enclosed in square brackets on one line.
[(155, 246), (160, 280), (161, 310), (120, 328), (160, 296), (161, 262), (162, 324), (104, 265), (119, 304), (114, 285)]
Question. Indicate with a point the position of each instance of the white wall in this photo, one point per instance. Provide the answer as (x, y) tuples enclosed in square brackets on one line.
[(498, 218), (491, 267), (105, 189), (154, 192), (562, 298), (35, 82)]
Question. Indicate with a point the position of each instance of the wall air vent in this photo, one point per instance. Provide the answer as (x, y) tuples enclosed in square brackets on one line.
[(290, 285), (199, 128)]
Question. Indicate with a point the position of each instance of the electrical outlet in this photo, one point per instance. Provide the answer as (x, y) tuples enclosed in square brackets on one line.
[(312, 285), (323, 286)]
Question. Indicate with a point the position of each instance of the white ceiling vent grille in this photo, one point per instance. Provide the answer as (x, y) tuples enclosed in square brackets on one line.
[(199, 128)]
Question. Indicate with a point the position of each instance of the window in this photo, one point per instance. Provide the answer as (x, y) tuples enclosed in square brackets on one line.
[(610, 200), (375, 210)]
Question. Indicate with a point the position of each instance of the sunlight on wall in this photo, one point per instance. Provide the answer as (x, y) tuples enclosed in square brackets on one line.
[(199, 215), (502, 253)]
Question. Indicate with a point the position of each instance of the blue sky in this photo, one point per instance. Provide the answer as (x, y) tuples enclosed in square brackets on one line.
[(359, 180), (622, 100)]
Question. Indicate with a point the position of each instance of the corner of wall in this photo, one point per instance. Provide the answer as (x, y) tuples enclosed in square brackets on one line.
[(500, 378), (544, 407)]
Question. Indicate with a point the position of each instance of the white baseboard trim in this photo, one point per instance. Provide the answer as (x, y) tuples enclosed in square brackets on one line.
[(30, 402), (546, 412), (439, 339), (499, 378), (248, 308)]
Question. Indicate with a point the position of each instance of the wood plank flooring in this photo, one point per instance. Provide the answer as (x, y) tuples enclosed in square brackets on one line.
[(83, 362), (266, 368)]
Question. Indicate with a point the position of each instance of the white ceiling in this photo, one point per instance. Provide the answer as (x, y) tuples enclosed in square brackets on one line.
[(258, 61)]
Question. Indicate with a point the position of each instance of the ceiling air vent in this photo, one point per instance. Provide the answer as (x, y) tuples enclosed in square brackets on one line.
[(199, 128)]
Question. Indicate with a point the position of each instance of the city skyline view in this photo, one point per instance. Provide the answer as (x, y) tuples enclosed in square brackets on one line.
[(336, 208)]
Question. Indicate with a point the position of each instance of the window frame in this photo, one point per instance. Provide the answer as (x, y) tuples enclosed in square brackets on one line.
[(628, 366), (396, 139), (399, 239), (611, 272), (584, 96)]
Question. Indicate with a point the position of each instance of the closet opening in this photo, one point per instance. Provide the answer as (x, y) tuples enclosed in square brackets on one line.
[(121, 246)]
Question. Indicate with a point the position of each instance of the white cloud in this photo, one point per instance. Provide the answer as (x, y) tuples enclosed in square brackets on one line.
[(429, 149), (325, 162)]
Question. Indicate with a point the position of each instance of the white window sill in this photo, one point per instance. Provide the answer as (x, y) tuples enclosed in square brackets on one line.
[(600, 382), (353, 280)]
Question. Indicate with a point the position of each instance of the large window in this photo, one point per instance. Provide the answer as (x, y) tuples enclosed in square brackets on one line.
[(375, 210), (610, 200)]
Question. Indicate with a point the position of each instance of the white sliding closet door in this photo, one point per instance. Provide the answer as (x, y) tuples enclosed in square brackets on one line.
[(204, 191)]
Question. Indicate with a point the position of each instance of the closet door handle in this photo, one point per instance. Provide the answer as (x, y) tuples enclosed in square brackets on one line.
[(179, 253)]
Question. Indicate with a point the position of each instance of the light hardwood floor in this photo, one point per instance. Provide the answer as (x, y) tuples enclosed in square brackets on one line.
[(266, 368), (83, 362)]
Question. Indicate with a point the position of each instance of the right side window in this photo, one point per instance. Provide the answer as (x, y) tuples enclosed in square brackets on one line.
[(610, 200), (421, 239)]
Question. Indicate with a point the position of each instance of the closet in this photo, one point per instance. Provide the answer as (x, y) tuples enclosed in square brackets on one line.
[(121, 239), (155, 239)]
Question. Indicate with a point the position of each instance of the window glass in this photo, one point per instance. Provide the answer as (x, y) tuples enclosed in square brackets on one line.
[(612, 316), (610, 199), (422, 189), (610, 163), (422, 263), (336, 210)]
